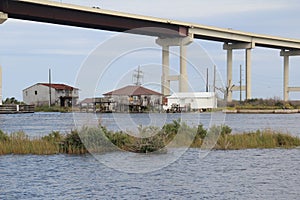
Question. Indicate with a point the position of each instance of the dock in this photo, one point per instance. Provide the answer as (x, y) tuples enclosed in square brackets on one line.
[(15, 109)]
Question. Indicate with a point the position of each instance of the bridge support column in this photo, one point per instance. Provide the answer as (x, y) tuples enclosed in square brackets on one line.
[(248, 74), (3, 17), (286, 64), (183, 77), (165, 83), (183, 81), (286, 69), (0, 85), (229, 75), (230, 87)]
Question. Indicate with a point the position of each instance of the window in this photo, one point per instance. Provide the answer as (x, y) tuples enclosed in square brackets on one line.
[(35, 92), (26, 93)]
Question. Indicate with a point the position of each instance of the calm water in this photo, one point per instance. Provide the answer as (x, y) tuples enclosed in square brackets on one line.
[(37, 124), (245, 174)]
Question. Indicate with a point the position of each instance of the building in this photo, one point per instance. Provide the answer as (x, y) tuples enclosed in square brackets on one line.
[(97, 104), (193, 101), (61, 95), (135, 98)]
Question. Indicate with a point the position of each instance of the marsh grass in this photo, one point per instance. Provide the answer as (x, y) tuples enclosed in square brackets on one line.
[(20, 143), (264, 139), (149, 139)]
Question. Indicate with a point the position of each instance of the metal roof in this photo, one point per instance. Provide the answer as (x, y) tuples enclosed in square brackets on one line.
[(58, 86), (132, 90), (184, 95)]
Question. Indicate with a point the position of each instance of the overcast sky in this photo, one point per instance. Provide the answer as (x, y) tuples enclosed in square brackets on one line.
[(29, 49)]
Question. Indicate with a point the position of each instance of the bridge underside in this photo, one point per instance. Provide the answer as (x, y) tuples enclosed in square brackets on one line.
[(168, 32), (88, 18)]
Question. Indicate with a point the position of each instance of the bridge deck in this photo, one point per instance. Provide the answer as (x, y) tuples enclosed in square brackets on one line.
[(74, 15)]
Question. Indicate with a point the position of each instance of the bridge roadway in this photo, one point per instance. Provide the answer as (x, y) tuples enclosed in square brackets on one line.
[(80, 16)]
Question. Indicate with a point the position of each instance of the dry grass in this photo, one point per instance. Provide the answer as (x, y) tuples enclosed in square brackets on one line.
[(260, 140), (19, 143), (99, 140)]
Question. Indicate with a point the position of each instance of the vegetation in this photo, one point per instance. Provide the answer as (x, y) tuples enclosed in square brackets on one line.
[(46, 108), (263, 104), (12, 100), (148, 139), (258, 139)]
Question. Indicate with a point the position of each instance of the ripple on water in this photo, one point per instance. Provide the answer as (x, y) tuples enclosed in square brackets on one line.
[(245, 174)]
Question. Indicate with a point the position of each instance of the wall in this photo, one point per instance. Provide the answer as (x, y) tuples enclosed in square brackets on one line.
[(38, 95), (193, 102)]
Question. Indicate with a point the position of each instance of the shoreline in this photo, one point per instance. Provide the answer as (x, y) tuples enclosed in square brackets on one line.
[(261, 111)]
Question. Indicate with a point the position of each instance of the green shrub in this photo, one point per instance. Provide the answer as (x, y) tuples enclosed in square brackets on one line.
[(72, 144), (201, 131), (3, 137), (55, 137)]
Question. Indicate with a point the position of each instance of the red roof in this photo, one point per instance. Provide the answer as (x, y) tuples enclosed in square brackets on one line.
[(58, 86), (88, 100), (132, 90)]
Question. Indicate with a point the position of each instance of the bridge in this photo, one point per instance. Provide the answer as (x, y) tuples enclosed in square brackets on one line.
[(168, 33)]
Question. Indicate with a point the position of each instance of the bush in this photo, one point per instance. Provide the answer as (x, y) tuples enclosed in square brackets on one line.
[(201, 131), (3, 137), (225, 130), (54, 137), (72, 144)]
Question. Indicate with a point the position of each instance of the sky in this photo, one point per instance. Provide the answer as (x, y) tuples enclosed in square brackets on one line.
[(29, 49)]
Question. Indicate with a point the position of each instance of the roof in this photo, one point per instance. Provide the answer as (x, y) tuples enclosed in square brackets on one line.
[(58, 86), (183, 95), (132, 90), (88, 100)]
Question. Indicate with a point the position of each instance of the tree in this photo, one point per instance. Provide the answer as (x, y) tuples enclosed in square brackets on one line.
[(11, 100)]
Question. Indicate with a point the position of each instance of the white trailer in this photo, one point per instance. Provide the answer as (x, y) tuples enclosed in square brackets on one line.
[(192, 101)]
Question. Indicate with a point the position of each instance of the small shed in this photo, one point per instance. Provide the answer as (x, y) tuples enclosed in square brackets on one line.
[(191, 101)]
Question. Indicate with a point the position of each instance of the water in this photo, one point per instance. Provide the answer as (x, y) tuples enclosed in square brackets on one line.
[(38, 124), (246, 174)]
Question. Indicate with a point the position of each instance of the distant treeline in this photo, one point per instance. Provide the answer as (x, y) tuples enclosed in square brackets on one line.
[(272, 103)]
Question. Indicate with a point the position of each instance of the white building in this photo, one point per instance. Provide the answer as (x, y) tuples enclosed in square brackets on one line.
[(61, 94), (192, 101)]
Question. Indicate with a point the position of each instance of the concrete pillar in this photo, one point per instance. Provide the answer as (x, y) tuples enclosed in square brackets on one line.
[(0, 85), (183, 81), (286, 78), (3, 17), (165, 86), (182, 42), (229, 75), (248, 74)]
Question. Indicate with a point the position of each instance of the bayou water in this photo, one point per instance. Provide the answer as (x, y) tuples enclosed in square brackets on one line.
[(243, 174)]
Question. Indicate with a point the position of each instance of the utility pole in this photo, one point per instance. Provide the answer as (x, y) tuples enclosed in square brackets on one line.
[(214, 84), (137, 76), (49, 87), (207, 80), (240, 83)]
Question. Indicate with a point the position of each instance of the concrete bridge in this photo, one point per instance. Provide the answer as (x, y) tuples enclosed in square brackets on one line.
[(168, 32)]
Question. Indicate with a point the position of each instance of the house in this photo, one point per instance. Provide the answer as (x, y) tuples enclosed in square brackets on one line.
[(135, 98), (191, 101), (61, 94), (97, 104)]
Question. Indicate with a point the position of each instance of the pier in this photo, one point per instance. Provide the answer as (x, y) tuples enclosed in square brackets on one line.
[(15, 109)]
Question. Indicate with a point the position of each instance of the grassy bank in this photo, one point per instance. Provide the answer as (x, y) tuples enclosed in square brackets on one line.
[(150, 139), (52, 109), (262, 104)]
